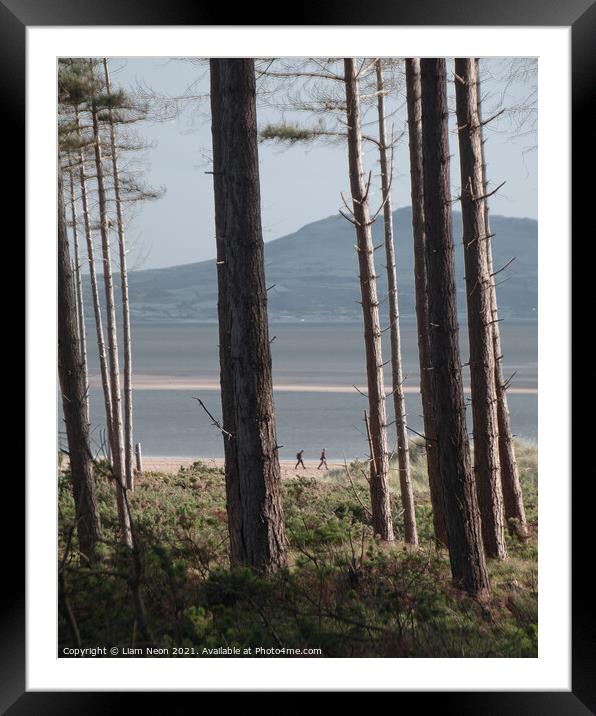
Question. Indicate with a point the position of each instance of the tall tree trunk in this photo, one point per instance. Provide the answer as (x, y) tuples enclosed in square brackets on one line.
[(399, 402), (421, 291), (126, 332), (253, 480), (466, 551), (513, 499), (101, 350), (114, 370), (79, 286), (74, 394), (379, 465), (478, 294)]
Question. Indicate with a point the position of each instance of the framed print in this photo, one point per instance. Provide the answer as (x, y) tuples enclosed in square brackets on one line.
[(260, 455)]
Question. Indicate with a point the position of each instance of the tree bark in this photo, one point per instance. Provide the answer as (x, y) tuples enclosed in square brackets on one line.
[(466, 551), (101, 349), (379, 465), (253, 480), (513, 499), (79, 286), (74, 395), (421, 291), (399, 402), (126, 331), (478, 295), (113, 364)]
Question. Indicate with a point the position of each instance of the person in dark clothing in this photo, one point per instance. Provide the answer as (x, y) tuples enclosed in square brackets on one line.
[(323, 460), (300, 460)]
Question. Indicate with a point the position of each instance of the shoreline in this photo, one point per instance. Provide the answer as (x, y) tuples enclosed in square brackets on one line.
[(158, 382), (171, 465)]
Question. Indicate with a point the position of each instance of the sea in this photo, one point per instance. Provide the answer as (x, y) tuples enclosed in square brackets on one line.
[(169, 422)]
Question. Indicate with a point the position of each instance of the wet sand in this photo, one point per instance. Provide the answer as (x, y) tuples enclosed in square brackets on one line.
[(161, 382)]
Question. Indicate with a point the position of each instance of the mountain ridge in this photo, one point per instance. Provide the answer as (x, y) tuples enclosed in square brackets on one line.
[(312, 274)]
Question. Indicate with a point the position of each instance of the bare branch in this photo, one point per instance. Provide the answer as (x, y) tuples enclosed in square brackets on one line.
[(348, 218), (361, 393), (490, 193), (214, 421), (504, 267), (355, 491)]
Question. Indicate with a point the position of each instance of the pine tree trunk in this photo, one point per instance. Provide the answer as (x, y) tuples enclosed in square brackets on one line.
[(421, 291), (79, 286), (478, 294), (466, 551), (126, 332), (253, 479), (74, 394), (113, 364), (101, 349), (379, 465), (513, 500), (399, 402)]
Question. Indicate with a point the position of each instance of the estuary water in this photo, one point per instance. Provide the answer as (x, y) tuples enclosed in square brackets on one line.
[(315, 367)]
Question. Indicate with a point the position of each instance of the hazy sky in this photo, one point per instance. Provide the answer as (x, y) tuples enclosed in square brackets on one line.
[(299, 184)]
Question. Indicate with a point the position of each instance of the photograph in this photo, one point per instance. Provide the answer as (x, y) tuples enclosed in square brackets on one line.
[(297, 339), (298, 355)]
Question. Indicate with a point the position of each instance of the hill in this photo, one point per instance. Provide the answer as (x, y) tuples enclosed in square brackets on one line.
[(313, 274)]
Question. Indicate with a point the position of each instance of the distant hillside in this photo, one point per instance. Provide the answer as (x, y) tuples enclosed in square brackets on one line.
[(315, 274)]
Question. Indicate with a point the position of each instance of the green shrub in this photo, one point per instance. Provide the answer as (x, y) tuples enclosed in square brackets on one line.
[(343, 591)]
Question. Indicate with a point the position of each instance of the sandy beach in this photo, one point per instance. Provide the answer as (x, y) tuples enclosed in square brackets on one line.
[(162, 382), (171, 465)]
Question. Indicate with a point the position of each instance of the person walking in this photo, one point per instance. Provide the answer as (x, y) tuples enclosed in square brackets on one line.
[(299, 459), (323, 460)]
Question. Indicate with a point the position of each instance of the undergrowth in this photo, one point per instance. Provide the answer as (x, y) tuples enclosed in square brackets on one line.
[(343, 592)]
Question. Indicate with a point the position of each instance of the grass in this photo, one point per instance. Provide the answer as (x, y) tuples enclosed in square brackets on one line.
[(343, 592)]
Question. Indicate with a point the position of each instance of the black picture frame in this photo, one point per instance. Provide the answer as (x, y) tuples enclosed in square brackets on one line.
[(580, 16)]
